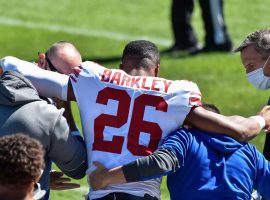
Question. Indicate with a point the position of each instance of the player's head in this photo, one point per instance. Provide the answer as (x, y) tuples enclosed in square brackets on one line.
[(62, 57), (141, 58), (206, 106), (21, 164), (255, 49), (210, 107)]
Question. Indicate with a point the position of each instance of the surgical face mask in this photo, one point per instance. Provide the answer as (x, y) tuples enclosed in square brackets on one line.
[(258, 79)]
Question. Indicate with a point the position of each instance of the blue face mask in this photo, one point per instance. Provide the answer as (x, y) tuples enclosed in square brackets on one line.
[(258, 79)]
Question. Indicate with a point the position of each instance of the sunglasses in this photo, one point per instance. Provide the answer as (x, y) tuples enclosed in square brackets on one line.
[(51, 66)]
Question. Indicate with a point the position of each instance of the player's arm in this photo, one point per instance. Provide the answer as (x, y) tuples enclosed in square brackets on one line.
[(156, 165), (237, 127), (167, 159), (48, 83), (67, 150)]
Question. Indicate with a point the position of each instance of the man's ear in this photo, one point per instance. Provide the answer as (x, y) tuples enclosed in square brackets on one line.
[(42, 60), (157, 70)]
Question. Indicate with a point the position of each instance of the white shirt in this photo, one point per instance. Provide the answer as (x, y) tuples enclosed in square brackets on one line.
[(125, 117)]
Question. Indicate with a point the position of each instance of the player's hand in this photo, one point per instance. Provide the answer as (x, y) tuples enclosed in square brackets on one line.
[(59, 182), (1, 71), (265, 113), (98, 178)]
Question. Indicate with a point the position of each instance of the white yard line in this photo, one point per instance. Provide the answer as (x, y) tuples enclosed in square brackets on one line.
[(80, 31)]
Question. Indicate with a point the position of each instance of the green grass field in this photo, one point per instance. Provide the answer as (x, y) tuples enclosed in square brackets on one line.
[(101, 28)]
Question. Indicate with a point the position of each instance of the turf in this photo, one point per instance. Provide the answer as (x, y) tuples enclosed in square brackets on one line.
[(101, 28)]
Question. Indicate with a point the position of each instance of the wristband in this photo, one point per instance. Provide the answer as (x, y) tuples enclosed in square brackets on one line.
[(260, 120)]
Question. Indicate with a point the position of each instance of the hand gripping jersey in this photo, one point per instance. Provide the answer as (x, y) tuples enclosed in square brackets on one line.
[(125, 117)]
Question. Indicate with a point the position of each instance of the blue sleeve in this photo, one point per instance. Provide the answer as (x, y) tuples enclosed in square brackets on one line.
[(262, 182), (179, 143)]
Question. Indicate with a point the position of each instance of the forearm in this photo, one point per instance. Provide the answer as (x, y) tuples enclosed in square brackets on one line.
[(247, 128), (48, 84), (237, 127), (155, 165), (67, 150), (74, 160), (160, 163)]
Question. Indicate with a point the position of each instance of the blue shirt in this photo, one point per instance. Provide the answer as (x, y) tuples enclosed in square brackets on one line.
[(214, 166)]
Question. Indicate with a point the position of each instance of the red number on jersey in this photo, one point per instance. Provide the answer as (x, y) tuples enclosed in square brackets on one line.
[(137, 124), (114, 146)]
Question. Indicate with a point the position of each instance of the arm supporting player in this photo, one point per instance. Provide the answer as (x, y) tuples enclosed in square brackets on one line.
[(167, 159), (160, 163), (48, 83), (237, 127)]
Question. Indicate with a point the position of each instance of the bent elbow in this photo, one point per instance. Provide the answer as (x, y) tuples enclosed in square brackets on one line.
[(77, 173)]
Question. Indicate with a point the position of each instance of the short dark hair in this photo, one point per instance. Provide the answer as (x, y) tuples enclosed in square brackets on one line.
[(21, 160), (260, 39), (140, 49), (206, 106), (210, 107)]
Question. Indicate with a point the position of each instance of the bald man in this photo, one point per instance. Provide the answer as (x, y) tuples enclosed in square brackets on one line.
[(61, 57)]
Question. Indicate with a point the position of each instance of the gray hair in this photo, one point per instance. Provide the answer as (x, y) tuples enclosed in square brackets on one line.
[(260, 39)]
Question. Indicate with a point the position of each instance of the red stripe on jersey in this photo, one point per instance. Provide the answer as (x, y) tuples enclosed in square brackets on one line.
[(72, 78), (195, 99)]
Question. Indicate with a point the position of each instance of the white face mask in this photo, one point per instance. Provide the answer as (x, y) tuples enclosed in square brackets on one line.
[(258, 79)]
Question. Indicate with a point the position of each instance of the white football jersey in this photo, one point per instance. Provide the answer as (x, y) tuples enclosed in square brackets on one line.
[(124, 118)]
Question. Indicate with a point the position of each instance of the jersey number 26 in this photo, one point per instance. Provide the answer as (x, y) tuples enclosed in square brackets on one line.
[(137, 124)]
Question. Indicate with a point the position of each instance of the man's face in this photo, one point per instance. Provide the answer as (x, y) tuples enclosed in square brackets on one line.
[(251, 59), (58, 64), (65, 67)]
